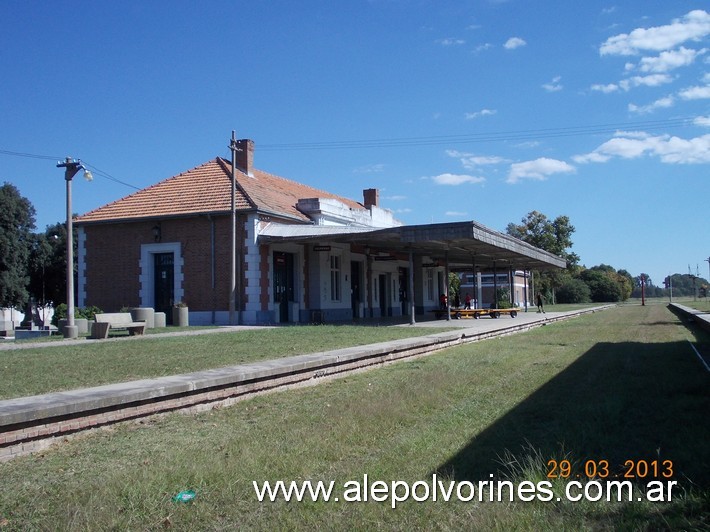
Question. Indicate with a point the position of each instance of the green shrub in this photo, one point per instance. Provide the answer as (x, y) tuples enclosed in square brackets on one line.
[(60, 313), (87, 312), (573, 291)]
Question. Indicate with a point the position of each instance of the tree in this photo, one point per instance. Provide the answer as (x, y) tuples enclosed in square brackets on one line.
[(48, 277), (685, 284), (604, 284), (454, 287), (536, 230), (17, 220), (573, 291), (552, 236)]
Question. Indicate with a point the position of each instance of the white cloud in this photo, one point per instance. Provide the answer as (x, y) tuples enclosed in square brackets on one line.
[(471, 161), (482, 47), (482, 112), (695, 93), (527, 144), (670, 60), (450, 41), (396, 198), (538, 169), (370, 169), (457, 214), (652, 80), (661, 103), (606, 89), (693, 26), (669, 149), (456, 179), (703, 121), (513, 43), (554, 85)]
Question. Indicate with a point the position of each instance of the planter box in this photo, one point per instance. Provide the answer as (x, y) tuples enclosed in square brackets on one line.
[(82, 325), (181, 316)]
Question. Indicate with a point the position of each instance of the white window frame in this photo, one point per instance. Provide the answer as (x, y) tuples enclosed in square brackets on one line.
[(430, 284), (336, 285)]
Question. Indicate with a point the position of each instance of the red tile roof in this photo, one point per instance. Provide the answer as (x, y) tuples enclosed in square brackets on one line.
[(206, 189)]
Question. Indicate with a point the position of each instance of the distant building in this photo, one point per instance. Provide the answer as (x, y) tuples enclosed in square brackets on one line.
[(483, 285)]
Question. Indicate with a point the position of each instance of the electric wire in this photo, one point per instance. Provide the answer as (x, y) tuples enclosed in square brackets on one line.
[(94, 170), (397, 142), (499, 136)]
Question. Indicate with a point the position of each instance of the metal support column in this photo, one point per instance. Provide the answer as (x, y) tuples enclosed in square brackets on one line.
[(446, 285), (410, 289)]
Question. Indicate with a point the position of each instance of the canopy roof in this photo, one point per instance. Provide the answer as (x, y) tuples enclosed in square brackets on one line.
[(459, 243)]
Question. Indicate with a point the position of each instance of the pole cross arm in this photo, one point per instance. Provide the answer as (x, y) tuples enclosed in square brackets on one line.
[(71, 167)]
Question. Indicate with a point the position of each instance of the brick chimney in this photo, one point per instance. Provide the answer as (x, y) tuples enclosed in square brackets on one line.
[(372, 197), (245, 156)]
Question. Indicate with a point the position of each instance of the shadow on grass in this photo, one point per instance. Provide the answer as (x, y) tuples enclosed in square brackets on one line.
[(617, 402)]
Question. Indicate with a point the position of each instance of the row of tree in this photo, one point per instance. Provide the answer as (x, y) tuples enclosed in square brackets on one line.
[(579, 284), (32, 265)]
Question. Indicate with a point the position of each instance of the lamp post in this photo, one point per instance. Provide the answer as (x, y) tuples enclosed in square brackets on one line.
[(71, 168)]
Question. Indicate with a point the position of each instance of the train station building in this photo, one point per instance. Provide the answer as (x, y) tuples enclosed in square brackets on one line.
[(278, 251)]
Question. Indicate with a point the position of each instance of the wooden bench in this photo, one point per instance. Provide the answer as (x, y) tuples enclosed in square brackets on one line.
[(116, 321), (476, 313)]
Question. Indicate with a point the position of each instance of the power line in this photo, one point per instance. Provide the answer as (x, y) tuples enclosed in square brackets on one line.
[(29, 155), (95, 170), (101, 173), (499, 136), (467, 138)]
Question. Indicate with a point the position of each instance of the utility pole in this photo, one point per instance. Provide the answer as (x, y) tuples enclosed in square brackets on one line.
[(71, 168), (233, 280), (693, 277)]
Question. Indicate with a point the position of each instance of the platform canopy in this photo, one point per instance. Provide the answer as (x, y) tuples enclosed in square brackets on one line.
[(460, 244)]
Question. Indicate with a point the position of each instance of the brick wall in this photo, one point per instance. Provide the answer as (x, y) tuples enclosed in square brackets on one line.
[(113, 254)]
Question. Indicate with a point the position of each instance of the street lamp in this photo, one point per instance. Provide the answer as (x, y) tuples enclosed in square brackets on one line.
[(71, 168)]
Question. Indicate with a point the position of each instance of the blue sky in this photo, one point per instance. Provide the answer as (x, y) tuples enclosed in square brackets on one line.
[(456, 110)]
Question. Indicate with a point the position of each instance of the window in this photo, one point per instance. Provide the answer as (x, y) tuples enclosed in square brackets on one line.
[(430, 284), (334, 278)]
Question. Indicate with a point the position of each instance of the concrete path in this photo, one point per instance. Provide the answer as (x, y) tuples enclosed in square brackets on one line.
[(10, 343)]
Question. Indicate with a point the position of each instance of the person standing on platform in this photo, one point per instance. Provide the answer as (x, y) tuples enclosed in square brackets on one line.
[(540, 302)]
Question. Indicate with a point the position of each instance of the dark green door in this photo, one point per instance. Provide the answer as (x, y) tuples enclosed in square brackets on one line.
[(164, 268), (403, 283), (384, 305), (355, 295), (283, 283)]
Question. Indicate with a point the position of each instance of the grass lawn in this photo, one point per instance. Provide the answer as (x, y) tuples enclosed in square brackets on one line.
[(618, 385), (702, 303), (49, 369)]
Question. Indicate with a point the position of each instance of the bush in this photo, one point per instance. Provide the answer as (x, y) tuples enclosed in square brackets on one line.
[(573, 291), (87, 312), (503, 298), (60, 313)]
